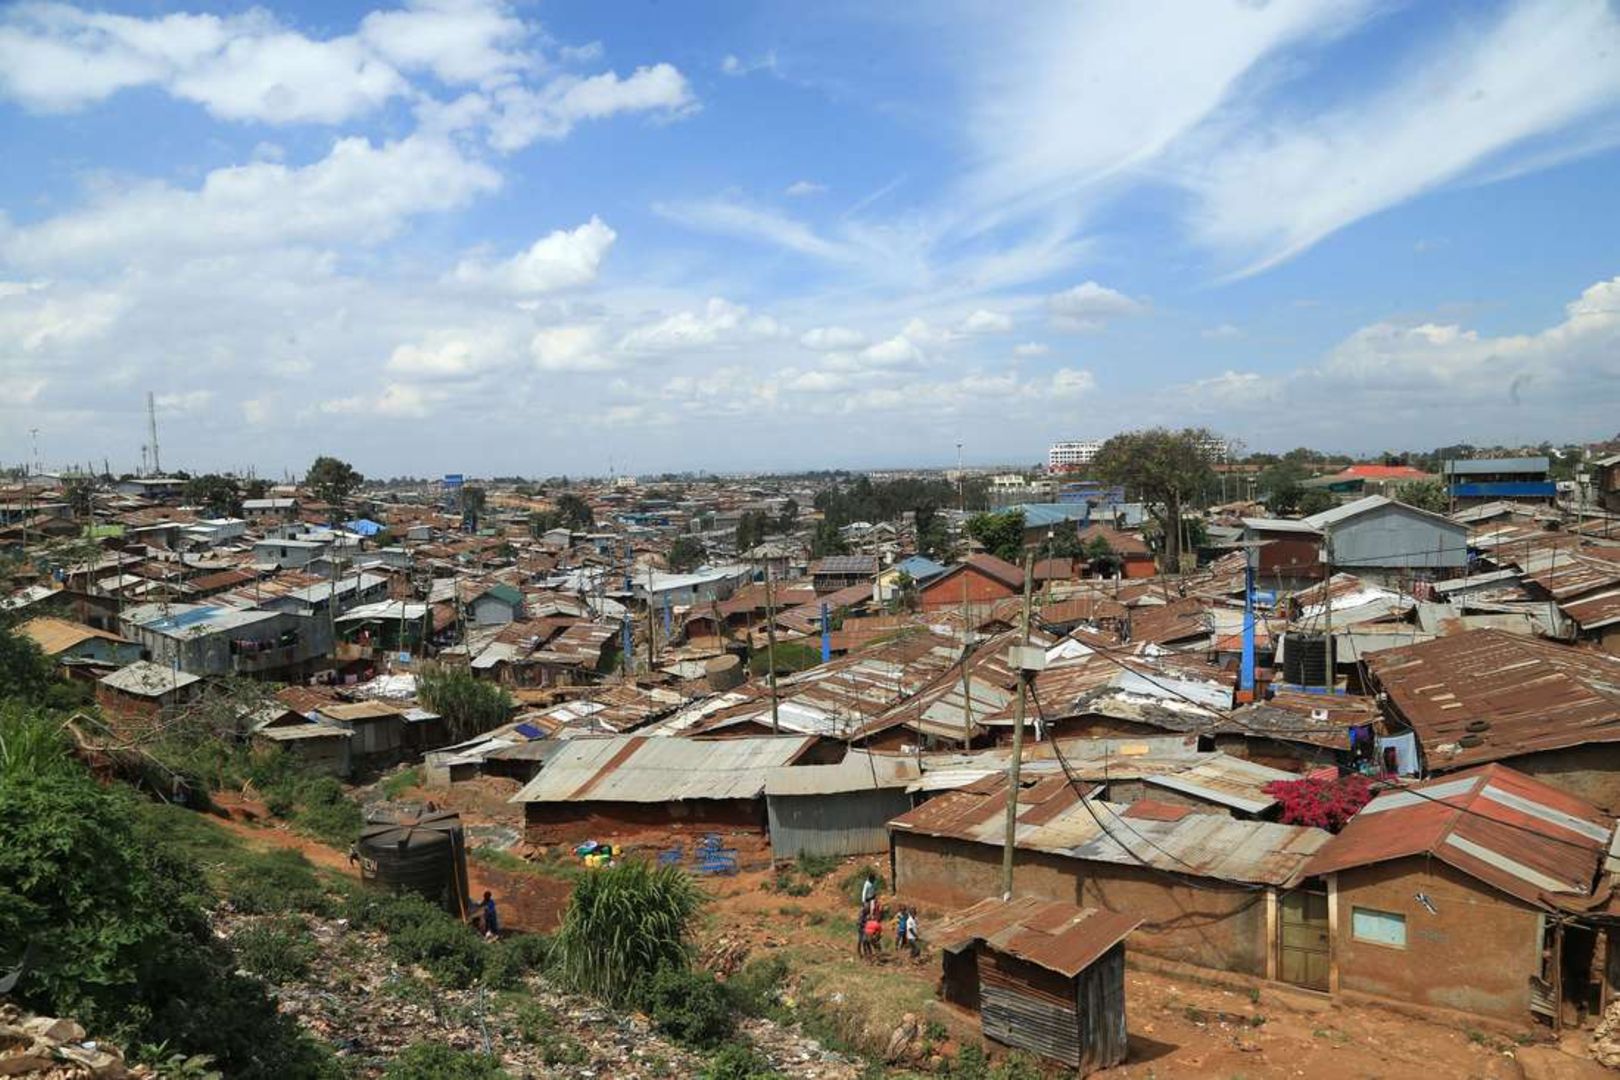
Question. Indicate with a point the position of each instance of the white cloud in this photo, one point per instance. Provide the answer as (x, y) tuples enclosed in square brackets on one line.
[(570, 348), (896, 352), (359, 192), (720, 322), (184, 403), (38, 317), (732, 218), (451, 354), (1032, 348), (560, 260), (404, 400), (1070, 383), (1088, 306), (825, 338), (1222, 332), (1268, 191), (551, 112), (984, 321), (283, 78), (460, 41), (734, 65), (801, 189)]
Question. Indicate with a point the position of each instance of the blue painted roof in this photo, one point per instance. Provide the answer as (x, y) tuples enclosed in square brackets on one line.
[(920, 568), (363, 527), (529, 731), (1037, 515)]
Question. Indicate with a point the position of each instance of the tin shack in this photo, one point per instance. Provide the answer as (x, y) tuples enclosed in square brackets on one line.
[(1044, 976)]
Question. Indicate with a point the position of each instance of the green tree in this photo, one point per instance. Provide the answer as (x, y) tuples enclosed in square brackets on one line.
[(470, 706), (1279, 486), (1165, 469), (26, 673), (218, 495), (1001, 534), (332, 480), (575, 513), (827, 541), (79, 495), (474, 498), (1427, 495), (789, 517), (1314, 501), (1101, 556), (255, 488), (751, 528), (686, 554), (933, 535)]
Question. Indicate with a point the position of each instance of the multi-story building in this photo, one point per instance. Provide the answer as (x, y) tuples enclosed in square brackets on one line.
[(1072, 454)]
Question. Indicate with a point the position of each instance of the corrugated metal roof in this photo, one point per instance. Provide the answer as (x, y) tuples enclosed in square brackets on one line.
[(638, 769), (859, 771), (54, 635), (1596, 610), (1491, 466), (1529, 694), (1050, 934), (147, 679), (1204, 845), (1506, 829)]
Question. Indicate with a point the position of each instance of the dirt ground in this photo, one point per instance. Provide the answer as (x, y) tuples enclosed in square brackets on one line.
[(1179, 1026)]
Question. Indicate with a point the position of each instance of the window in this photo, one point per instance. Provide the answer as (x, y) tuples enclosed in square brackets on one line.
[(1378, 927)]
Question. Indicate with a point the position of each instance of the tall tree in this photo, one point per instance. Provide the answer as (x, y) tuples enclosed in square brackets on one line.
[(1001, 534), (789, 516), (1425, 495), (686, 554), (575, 513), (827, 541), (1165, 469), (217, 495), (332, 480)]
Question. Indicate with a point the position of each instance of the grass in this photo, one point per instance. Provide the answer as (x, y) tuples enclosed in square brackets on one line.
[(501, 859), (816, 866), (254, 880), (277, 950), (394, 786)]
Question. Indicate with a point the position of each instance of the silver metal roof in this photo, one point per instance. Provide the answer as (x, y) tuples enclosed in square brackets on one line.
[(637, 769)]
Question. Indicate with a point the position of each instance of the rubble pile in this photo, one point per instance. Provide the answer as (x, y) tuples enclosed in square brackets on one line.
[(47, 1048), (367, 1007), (1606, 1039)]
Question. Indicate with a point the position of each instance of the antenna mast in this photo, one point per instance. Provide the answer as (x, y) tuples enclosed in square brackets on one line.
[(151, 420)]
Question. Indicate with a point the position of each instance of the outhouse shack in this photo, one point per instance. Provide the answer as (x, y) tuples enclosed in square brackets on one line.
[(1044, 976)]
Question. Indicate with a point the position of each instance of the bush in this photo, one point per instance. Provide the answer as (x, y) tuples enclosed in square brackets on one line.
[(451, 951), (738, 1061), (623, 924), (276, 882), (276, 950), (689, 1007), (435, 1061), (757, 988), (1324, 804), (114, 913), (508, 960), (326, 813), (816, 866)]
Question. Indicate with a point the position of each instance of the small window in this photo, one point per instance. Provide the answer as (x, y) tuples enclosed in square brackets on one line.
[(1378, 927)]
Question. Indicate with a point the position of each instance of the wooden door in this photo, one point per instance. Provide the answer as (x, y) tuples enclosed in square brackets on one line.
[(1304, 929)]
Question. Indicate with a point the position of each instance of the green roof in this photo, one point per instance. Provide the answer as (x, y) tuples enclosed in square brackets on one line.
[(506, 594)]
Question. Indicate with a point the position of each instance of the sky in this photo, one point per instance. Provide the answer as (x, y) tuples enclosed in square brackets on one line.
[(563, 238)]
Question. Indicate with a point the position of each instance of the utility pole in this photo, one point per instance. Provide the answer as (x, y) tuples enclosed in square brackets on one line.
[(1018, 736), (967, 630), (651, 620), (151, 420), (770, 644), (1327, 610)]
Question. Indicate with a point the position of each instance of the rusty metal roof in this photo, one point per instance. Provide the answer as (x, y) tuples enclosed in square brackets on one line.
[(1179, 620), (1048, 933), (1500, 826), (54, 635), (631, 768), (1566, 576), (1594, 610), (1485, 695), (1051, 819)]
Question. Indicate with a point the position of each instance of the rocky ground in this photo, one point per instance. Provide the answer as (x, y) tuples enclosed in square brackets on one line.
[(52, 1048), (368, 1007)]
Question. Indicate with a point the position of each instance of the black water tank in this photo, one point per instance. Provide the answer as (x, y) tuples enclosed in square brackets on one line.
[(426, 855), (1304, 660)]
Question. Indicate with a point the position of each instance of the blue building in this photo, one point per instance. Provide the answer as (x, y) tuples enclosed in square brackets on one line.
[(1475, 480)]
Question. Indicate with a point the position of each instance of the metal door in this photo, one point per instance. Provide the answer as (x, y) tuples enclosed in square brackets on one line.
[(1304, 927)]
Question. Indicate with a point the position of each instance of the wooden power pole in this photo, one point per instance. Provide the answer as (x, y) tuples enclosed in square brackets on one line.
[(1022, 666)]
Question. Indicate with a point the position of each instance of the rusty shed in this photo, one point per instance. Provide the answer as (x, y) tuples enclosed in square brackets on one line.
[(1044, 976)]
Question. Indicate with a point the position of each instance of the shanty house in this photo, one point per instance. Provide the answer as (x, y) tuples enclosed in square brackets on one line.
[(1044, 976), (979, 581), (143, 690), (321, 747), (841, 809), (600, 788), (1135, 557), (1204, 885), (1467, 892), (497, 605), (1375, 537), (75, 645), (1549, 710), (378, 728), (842, 571)]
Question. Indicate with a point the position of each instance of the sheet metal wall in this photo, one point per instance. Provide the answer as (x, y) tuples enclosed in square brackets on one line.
[(1079, 1021), (846, 823)]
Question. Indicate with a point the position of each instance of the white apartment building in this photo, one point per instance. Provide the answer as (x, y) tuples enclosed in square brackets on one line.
[(1063, 456)]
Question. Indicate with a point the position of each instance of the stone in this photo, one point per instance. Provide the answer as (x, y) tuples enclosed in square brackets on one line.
[(54, 1030)]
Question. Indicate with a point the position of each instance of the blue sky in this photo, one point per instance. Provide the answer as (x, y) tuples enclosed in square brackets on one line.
[(463, 235)]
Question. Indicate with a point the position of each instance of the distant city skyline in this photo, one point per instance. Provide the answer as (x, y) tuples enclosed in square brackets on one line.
[(465, 235)]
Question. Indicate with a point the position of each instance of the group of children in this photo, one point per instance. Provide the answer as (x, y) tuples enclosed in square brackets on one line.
[(869, 926)]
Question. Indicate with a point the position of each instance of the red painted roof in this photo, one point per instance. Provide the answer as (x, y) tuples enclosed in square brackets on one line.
[(1493, 823)]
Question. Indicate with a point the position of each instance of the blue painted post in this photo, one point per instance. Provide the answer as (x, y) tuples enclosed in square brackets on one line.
[(826, 634), (1246, 667), (667, 618), (625, 644)]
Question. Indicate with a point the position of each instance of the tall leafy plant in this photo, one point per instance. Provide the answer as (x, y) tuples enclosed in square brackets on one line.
[(624, 923)]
